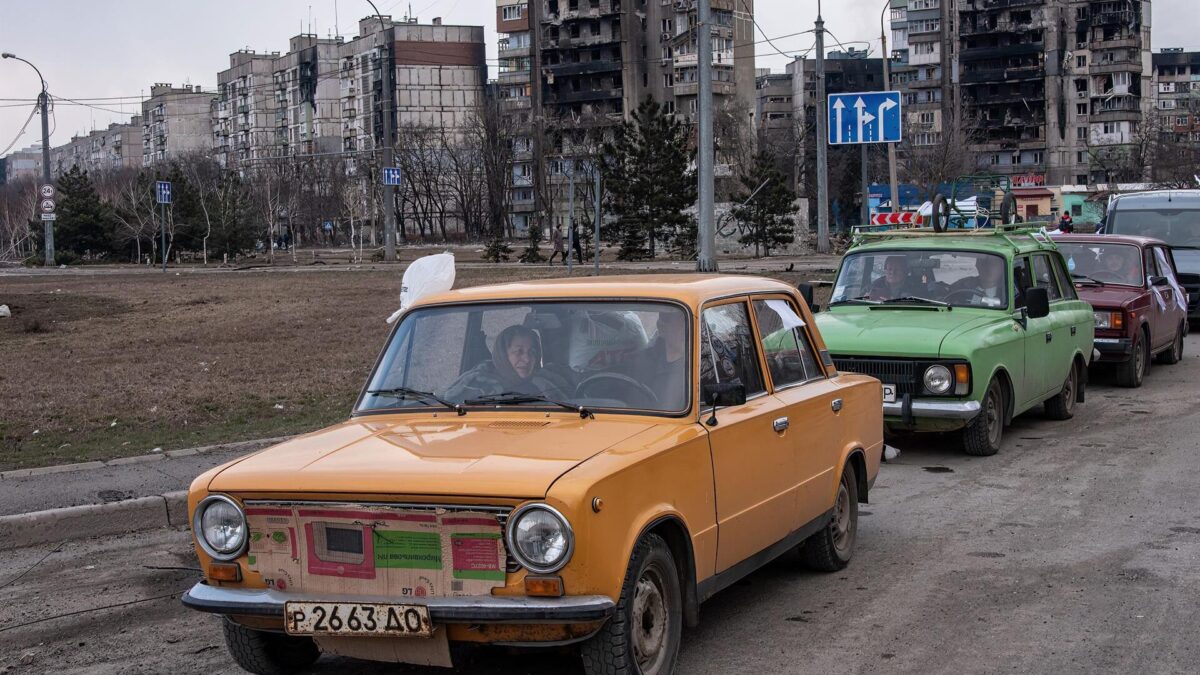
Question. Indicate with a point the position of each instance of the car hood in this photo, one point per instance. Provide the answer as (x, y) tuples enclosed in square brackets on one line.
[(514, 457), (1108, 296), (862, 331)]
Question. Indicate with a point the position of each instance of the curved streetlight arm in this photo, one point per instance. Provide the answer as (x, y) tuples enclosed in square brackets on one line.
[(10, 55)]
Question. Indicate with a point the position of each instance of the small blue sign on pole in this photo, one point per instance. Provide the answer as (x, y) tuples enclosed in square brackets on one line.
[(865, 117), (162, 192), (392, 175)]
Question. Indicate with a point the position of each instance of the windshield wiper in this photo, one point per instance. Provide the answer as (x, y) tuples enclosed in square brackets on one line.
[(860, 300), (404, 393), (1090, 280), (517, 397), (912, 298)]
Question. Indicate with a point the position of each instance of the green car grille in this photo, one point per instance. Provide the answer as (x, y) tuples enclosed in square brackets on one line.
[(900, 372)]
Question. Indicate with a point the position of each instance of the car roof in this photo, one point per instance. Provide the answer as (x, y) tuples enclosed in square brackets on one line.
[(690, 289), (1108, 239), (1178, 199), (1002, 242)]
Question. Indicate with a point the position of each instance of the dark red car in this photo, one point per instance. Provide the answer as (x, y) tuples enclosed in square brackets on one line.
[(1140, 306)]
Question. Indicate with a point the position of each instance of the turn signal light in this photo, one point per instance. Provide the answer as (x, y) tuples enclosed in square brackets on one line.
[(1117, 321), (544, 587), (225, 572), (962, 378)]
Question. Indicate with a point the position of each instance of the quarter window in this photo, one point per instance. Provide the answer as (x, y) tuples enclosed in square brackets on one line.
[(785, 345), (1043, 277), (727, 348)]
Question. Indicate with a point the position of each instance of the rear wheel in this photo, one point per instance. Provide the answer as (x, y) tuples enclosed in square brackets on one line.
[(831, 549), (982, 435), (1175, 353), (268, 653), (1062, 405), (1132, 372)]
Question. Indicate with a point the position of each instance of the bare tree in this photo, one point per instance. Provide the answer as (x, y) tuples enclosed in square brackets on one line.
[(18, 208), (203, 173), (134, 207), (929, 157)]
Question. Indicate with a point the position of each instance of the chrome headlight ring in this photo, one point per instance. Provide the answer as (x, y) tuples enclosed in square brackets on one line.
[(198, 529), (938, 379), (511, 538)]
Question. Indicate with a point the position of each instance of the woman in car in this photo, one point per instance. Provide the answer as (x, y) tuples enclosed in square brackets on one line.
[(515, 367)]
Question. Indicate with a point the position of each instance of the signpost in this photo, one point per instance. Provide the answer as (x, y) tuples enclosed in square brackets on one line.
[(162, 194), (392, 175), (46, 206)]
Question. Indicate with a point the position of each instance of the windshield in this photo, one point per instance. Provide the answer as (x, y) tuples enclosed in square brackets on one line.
[(1177, 227), (956, 278), (1107, 263), (622, 355)]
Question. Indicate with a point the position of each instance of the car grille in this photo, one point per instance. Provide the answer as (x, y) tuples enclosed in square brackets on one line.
[(900, 372)]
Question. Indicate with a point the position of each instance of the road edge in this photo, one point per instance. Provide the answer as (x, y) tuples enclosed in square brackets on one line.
[(54, 526), (250, 445)]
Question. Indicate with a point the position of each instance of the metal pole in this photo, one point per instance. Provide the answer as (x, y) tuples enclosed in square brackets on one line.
[(570, 217), (865, 208), (822, 140), (388, 95), (706, 260), (162, 222), (596, 233), (887, 86), (47, 225)]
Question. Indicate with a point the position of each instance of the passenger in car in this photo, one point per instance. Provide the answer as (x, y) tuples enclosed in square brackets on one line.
[(988, 282), (895, 282), (662, 365), (516, 366)]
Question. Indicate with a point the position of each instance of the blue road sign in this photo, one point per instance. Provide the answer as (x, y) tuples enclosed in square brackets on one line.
[(865, 117), (391, 175), (162, 192)]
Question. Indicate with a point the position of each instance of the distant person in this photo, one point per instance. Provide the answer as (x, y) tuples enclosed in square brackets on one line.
[(575, 245), (1066, 223), (556, 238), (329, 233)]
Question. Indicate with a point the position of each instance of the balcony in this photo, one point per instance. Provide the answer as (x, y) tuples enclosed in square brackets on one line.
[(1123, 17), (514, 77), (508, 104), (985, 28), (589, 67), (349, 113), (1017, 74), (691, 60), (1001, 51), (584, 96), (568, 42), (505, 52), (988, 5)]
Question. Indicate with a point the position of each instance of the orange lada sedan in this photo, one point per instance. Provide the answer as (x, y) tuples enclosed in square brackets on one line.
[(545, 463)]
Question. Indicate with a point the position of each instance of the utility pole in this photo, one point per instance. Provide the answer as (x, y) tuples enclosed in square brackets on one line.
[(887, 86), (706, 261), (865, 209), (596, 233), (44, 105), (570, 217), (387, 67), (822, 141)]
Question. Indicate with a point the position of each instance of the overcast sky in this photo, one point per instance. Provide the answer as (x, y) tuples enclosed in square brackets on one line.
[(97, 49)]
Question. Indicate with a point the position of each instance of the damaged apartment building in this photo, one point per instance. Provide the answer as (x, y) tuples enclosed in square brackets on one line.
[(1042, 91), (572, 69)]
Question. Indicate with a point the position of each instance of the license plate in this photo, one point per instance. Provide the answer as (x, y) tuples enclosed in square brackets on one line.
[(889, 393), (349, 618)]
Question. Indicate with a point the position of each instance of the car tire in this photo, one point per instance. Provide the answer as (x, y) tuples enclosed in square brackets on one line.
[(1175, 353), (644, 633), (1133, 372), (1061, 406), (983, 435), (830, 549), (266, 653)]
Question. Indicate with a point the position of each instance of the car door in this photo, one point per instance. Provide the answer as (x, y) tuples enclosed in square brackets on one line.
[(1059, 337), (810, 401), (1162, 300), (1032, 387), (754, 468), (1174, 298)]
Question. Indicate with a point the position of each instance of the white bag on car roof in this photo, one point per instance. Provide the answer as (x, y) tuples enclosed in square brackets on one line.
[(424, 277)]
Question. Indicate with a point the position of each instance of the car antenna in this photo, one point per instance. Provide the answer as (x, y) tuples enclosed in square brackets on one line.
[(712, 419)]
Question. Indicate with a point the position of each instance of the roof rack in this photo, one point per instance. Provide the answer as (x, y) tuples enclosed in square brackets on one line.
[(1006, 232)]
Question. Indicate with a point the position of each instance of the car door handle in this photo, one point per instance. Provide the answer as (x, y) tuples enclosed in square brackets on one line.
[(1074, 330), (780, 424), (836, 405), (1049, 337)]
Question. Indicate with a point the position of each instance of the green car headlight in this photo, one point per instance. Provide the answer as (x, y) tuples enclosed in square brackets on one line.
[(938, 379)]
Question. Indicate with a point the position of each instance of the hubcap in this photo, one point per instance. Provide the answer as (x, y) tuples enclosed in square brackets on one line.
[(649, 622), (841, 518), (993, 419)]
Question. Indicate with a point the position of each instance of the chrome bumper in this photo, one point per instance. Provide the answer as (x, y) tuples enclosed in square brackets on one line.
[(464, 609), (952, 410)]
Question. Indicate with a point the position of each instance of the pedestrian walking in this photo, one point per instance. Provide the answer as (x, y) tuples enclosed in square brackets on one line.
[(556, 237), (575, 243)]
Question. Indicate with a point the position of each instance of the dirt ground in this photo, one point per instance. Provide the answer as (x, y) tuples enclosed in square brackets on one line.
[(109, 363)]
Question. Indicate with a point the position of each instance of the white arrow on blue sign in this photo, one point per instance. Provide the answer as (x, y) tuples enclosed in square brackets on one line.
[(162, 192), (391, 175), (865, 117)]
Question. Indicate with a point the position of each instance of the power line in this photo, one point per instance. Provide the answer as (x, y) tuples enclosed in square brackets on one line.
[(22, 131)]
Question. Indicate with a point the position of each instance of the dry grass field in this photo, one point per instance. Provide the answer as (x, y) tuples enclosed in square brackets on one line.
[(116, 364)]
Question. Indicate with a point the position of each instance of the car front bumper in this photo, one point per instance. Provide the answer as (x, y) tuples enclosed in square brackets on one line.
[(908, 409), (1113, 349), (264, 602)]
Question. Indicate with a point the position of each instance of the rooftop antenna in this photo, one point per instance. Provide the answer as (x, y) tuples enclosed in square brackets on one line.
[(336, 32)]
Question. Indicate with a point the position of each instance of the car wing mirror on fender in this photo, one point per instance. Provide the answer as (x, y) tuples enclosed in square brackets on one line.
[(1159, 281)]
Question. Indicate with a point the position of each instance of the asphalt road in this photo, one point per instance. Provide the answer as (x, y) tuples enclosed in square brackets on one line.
[(1075, 550)]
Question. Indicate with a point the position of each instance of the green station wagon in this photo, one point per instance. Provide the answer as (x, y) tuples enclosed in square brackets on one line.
[(964, 330)]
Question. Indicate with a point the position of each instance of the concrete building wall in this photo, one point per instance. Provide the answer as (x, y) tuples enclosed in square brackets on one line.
[(116, 147), (25, 163), (244, 116), (175, 121)]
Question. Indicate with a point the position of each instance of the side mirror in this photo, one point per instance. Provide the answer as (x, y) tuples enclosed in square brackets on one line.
[(1159, 281), (1037, 303), (806, 292), (724, 394)]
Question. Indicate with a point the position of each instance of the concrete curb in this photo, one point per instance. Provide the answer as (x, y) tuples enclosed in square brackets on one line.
[(90, 520), (139, 459)]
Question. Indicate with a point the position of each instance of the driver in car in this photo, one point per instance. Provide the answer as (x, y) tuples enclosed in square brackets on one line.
[(1119, 265), (662, 366), (515, 367), (895, 282), (988, 282)]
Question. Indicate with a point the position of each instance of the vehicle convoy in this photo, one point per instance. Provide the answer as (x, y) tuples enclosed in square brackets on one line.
[(1140, 308), (1172, 216), (965, 330), (545, 463)]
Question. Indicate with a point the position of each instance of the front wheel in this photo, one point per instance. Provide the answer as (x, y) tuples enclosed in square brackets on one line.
[(643, 635), (831, 549), (1132, 372), (1062, 405), (266, 653), (982, 435)]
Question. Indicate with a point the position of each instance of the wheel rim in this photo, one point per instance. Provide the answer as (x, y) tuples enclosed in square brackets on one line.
[(1140, 361), (650, 634), (843, 525), (1068, 391), (994, 421)]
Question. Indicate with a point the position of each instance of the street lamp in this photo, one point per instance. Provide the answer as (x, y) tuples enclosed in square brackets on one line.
[(44, 104), (387, 66), (887, 85)]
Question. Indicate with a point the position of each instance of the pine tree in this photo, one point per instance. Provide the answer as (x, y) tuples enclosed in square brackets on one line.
[(497, 250), (646, 173), (533, 251), (86, 225), (765, 216)]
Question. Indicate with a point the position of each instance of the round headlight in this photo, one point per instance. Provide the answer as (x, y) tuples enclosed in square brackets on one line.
[(540, 538), (938, 379), (220, 527)]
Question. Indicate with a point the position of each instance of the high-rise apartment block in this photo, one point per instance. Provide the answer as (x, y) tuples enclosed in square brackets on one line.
[(1177, 95), (117, 147), (175, 121), (246, 112)]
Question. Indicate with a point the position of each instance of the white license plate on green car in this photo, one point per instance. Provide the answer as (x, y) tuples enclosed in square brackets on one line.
[(889, 393), (351, 618)]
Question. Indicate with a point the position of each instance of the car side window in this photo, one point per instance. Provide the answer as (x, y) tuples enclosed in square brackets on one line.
[(1148, 264), (1043, 277), (1022, 281), (1064, 279), (727, 354), (785, 345), (1165, 268)]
